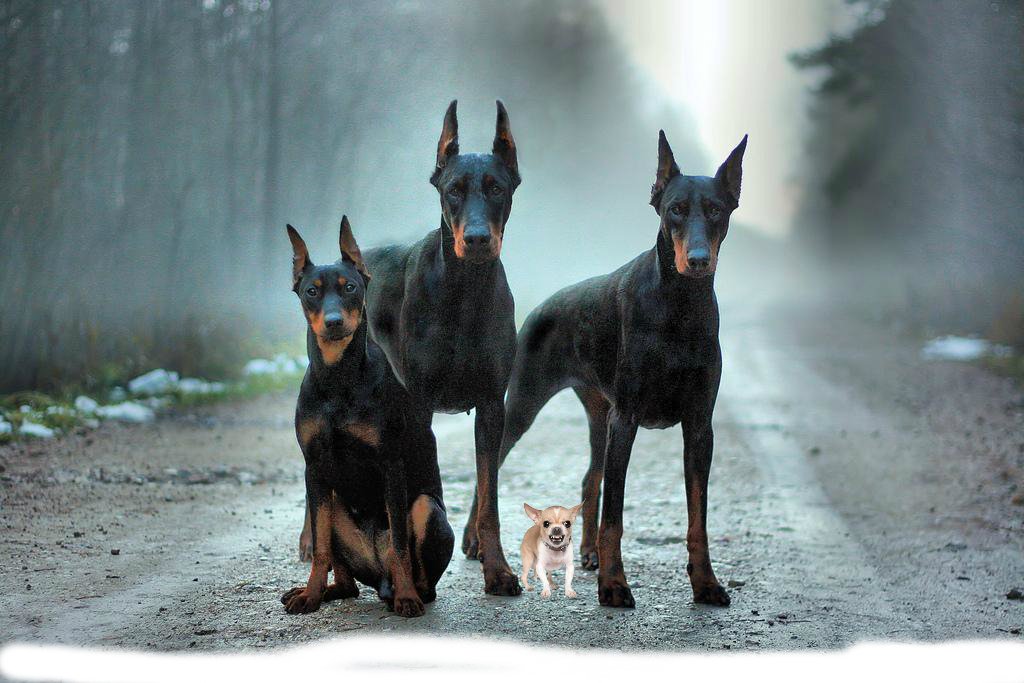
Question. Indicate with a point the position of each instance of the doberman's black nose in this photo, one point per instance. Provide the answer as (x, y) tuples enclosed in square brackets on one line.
[(332, 320), (698, 259), (479, 238)]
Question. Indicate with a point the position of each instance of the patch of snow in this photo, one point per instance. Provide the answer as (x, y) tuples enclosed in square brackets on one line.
[(59, 410), (84, 404), (282, 363), (35, 429), (25, 410), (952, 347), (5, 427), (157, 381), (118, 394), (129, 411), (91, 422), (193, 385)]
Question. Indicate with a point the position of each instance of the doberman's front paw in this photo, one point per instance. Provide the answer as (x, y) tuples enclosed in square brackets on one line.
[(588, 559), (711, 594), (501, 582), (301, 600), (408, 607), (470, 543), (341, 591), (615, 593)]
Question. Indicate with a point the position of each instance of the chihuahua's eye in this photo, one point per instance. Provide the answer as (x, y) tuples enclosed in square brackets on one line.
[(496, 191), (350, 286), (547, 524), (568, 524), (312, 291), (714, 213)]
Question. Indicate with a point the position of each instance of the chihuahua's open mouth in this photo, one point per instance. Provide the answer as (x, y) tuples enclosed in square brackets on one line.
[(556, 541)]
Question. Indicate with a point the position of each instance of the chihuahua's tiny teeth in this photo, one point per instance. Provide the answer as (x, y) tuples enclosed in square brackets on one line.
[(547, 546)]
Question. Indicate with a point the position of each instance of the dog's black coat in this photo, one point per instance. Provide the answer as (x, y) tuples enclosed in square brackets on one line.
[(640, 348), (443, 313), (375, 508)]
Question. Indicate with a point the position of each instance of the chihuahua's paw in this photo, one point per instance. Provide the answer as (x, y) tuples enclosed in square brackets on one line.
[(588, 559), (408, 607), (570, 593), (501, 582), (301, 600), (615, 594), (712, 594), (546, 593)]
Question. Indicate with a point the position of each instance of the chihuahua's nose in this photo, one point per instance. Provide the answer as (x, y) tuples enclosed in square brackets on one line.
[(477, 238), (332, 320), (698, 258), (557, 531)]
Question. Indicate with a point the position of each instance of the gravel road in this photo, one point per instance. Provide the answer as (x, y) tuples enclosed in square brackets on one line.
[(857, 492)]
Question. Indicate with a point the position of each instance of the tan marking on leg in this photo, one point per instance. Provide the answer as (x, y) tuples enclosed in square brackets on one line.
[(367, 433), (342, 280), (321, 549), (353, 539)]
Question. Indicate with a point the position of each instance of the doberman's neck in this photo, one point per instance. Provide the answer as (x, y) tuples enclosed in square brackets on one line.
[(334, 364), (678, 288)]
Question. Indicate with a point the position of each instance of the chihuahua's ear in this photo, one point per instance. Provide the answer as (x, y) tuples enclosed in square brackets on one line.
[(448, 145), (730, 173), (575, 510), (300, 257), (504, 146), (667, 170), (532, 512), (350, 250)]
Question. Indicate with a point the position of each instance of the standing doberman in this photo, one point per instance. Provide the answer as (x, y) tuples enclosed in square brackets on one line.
[(443, 313), (639, 346), (372, 484)]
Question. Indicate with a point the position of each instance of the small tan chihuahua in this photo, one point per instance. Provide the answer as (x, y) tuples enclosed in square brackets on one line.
[(547, 546)]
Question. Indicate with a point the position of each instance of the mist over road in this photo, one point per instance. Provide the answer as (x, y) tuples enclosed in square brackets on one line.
[(857, 492)]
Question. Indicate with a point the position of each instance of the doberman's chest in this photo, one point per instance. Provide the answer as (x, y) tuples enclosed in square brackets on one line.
[(454, 359)]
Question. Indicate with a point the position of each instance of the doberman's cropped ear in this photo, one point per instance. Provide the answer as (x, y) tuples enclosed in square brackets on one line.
[(300, 257), (448, 145), (532, 512), (667, 170), (730, 173), (504, 144), (350, 250)]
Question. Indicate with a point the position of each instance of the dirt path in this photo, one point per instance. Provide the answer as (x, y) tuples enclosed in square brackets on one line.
[(856, 493)]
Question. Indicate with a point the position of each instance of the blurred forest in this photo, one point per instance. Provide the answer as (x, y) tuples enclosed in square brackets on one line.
[(915, 178), (151, 153)]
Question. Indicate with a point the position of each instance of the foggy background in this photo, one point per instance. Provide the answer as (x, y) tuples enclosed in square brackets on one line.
[(152, 152)]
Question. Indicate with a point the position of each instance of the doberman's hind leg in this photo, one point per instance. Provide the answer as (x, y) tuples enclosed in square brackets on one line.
[(306, 540), (433, 542), (344, 585), (596, 406)]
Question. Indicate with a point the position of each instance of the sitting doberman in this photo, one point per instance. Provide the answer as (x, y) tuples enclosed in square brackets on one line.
[(373, 488), (639, 346), (443, 313)]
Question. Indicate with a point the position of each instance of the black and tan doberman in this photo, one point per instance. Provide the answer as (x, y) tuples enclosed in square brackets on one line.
[(373, 489), (443, 313), (639, 346)]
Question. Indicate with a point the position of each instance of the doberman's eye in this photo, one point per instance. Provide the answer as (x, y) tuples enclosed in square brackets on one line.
[(350, 286), (714, 213), (496, 190), (547, 524), (312, 291), (677, 209), (455, 195)]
